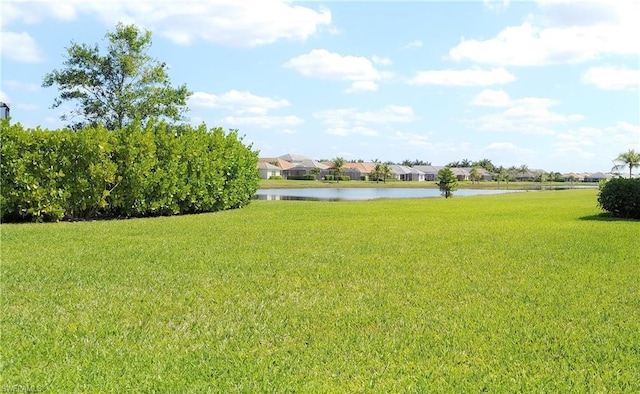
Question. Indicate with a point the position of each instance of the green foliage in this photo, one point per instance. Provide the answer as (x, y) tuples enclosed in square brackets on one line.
[(307, 177), (158, 169), (275, 177), (380, 172), (221, 303), (413, 163), (115, 88), (337, 167), (474, 175), (621, 197), (31, 174), (447, 182)]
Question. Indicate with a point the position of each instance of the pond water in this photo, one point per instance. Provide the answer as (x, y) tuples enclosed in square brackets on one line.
[(352, 194)]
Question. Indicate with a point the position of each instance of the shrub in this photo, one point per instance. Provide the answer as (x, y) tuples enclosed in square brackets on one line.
[(621, 197), (275, 177), (158, 169), (308, 177), (345, 178), (329, 177)]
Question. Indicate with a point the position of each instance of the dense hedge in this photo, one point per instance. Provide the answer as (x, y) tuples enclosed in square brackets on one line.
[(158, 169), (621, 197), (307, 177)]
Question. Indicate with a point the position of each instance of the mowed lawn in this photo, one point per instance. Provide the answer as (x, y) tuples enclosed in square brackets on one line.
[(525, 292)]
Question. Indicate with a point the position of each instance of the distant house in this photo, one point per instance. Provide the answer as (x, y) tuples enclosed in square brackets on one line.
[(596, 177), (304, 168), (361, 171), (355, 171), (462, 174), (267, 170), (4, 110), (430, 172), (527, 176), (404, 173)]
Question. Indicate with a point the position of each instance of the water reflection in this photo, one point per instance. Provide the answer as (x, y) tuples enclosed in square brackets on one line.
[(353, 194)]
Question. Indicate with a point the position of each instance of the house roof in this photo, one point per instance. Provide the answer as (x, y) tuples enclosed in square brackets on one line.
[(263, 165), (293, 158), (427, 169), (598, 175), (283, 164), (460, 171), (311, 164), (400, 169), (361, 167)]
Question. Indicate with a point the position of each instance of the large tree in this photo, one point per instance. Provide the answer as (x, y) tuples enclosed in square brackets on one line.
[(447, 182), (630, 159), (119, 86)]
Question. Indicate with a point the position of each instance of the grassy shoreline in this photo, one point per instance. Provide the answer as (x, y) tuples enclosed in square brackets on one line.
[(532, 292), (289, 184)]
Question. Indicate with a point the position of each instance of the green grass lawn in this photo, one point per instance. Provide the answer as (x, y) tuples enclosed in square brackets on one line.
[(523, 292)]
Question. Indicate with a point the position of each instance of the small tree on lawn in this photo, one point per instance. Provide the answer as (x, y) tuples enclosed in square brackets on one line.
[(447, 182)]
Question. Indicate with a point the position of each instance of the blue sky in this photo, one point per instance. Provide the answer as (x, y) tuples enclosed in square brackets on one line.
[(553, 84)]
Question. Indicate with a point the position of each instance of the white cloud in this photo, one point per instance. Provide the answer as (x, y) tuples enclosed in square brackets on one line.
[(238, 102), (413, 44), (20, 47), (18, 85), (383, 61), (468, 77), (244, 23), (589, 142), (492, 98), (496, 5), (347, 121), (358, 130), (501, 146), (545, 39), (266, 122), (412, 139), (529, 115), (320, 63), (362, 86), (508, 153), (612, 78), (4, 97)]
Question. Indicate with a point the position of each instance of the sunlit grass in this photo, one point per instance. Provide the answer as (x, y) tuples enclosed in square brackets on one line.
[(528, 292)]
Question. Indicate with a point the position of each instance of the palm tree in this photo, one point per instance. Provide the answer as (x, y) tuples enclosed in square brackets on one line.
[(316, 171), (338, 167), (386, 172), (631, 158), (523, 169), (474, 175)]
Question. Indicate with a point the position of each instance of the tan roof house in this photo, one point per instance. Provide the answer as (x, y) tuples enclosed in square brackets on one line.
[(268, 170)]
